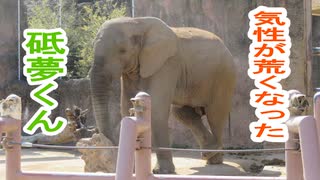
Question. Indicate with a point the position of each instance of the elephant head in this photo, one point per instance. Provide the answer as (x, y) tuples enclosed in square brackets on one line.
[(129, 46)]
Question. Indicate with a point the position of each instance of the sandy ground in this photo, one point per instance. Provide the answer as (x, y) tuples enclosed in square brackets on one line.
[(186, 163)]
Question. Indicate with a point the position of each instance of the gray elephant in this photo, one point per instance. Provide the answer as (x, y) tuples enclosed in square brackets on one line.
[(186, 70)]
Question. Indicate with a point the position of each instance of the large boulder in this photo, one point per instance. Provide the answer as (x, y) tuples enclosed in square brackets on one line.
[(98, 160)]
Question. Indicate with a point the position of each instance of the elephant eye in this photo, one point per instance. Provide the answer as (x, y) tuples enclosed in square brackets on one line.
[(122, 50)]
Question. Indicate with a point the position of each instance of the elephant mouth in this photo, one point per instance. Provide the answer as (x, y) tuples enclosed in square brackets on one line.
[(133, 71)]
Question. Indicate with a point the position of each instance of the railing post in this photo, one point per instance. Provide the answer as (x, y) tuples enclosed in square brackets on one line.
[(304, 165), (294, 168), (309, 149), (11, 125), (316, 111), (127, 145), (13, 153), (135, 130), (143, 155)]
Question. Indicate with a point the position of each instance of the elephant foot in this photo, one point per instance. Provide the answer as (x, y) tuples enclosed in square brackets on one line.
[(164, 167), (213, 158)]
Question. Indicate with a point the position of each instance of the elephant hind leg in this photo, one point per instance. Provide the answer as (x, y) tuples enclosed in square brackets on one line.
[(217, 113), (191, 118)]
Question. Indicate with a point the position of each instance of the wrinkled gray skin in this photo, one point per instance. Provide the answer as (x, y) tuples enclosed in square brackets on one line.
[(188, 68)]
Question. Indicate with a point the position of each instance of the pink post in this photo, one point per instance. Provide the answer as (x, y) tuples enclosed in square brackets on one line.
[(316, 111), (11, 125), (127, 144), (304, 164), (309, 149), (143, 155), (131, 129), (305, 127), (12, 129), (13, 154), (293, 158)]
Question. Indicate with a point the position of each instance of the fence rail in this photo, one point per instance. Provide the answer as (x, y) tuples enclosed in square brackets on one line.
[(45, 146), (316, 51), (302, 150)]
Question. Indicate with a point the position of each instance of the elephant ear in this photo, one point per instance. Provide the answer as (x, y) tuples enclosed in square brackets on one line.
[(159, 44)]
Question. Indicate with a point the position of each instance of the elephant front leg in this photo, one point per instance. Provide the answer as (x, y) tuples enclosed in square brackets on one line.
[(160, 132), (161, 87), (161, 98)]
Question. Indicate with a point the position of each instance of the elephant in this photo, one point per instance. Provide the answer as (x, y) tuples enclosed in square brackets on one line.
[(187, 71)]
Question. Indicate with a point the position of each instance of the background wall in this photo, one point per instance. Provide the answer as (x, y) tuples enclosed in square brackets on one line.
[(316, 43), (8, 43), (228, 19)]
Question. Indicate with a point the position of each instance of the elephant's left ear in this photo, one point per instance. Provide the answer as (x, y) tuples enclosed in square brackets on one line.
[(159, 44)]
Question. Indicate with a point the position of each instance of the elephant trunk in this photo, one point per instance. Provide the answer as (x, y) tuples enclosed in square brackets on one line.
[(104, 97)]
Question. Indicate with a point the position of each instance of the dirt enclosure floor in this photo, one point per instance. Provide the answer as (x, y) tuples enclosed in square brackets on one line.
[(186, 163)]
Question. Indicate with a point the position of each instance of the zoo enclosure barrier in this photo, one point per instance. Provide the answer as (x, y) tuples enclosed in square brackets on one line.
[(135, 150)]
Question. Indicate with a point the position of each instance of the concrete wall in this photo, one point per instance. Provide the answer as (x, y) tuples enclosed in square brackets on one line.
[(316, 43), (229, 20), (9, 41)]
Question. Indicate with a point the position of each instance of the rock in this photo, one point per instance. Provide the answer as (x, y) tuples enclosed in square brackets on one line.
[(274, 161), (255, 168), (298, 103), (11, 107), (251, 163), (74, 131), (98, 160), (66, 136)]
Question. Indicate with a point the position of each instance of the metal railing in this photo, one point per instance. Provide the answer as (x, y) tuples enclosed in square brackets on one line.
[(134, 150), (316, 51), (57, 147)]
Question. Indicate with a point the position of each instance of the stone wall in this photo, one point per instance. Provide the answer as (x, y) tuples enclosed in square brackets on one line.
[(228, 19), (316, 58), (8, 41)]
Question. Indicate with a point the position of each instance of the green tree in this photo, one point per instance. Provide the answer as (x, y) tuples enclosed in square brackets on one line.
[(81, 23)]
